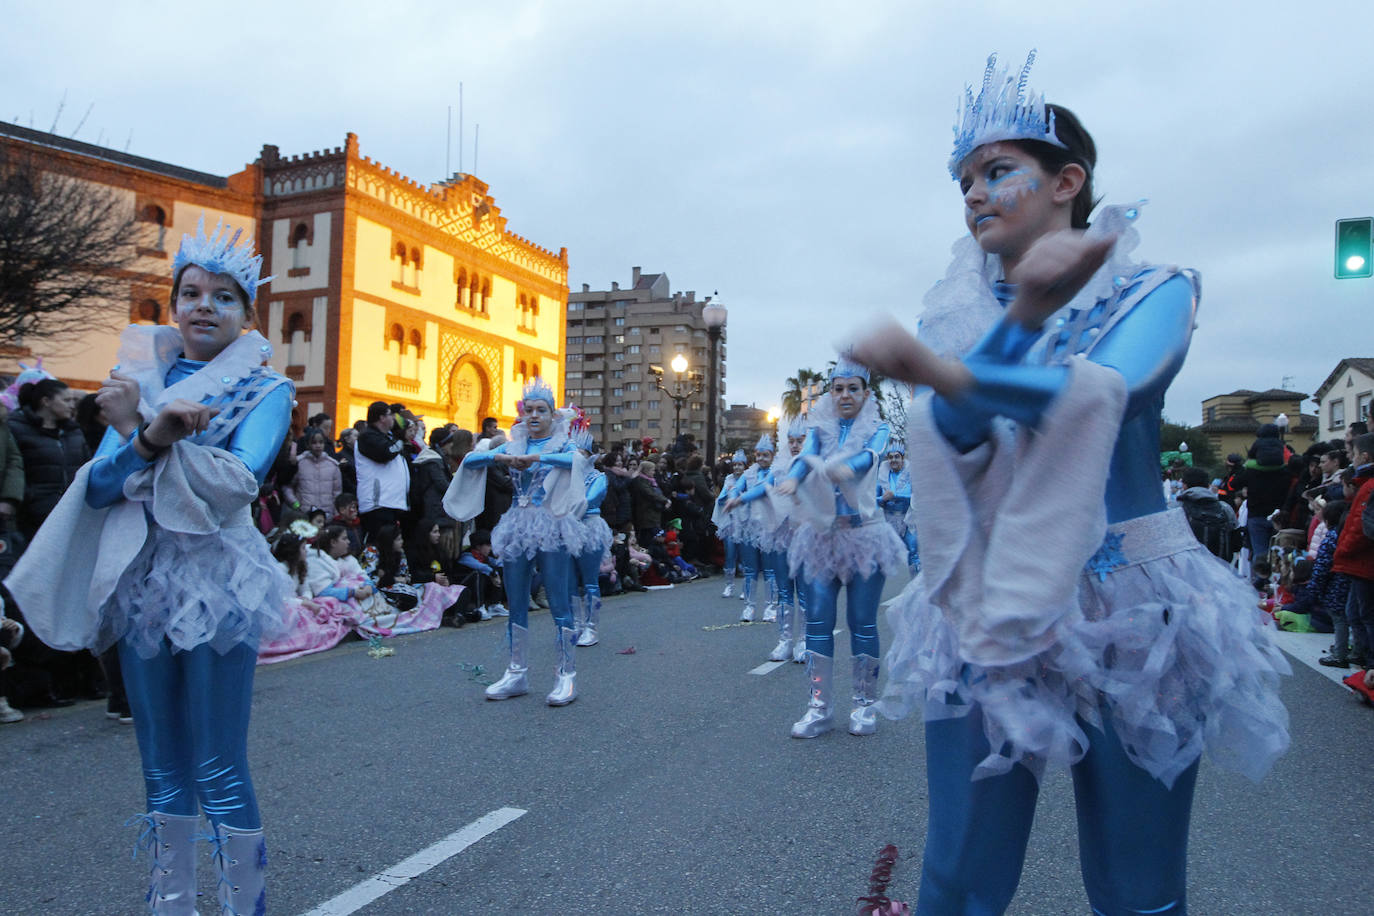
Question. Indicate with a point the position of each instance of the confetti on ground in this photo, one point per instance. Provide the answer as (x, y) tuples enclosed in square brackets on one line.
[(377, 650), (731, 626), (629, 651), (476, 673)]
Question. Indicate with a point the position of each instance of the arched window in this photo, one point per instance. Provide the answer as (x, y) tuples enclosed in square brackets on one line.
[(412, 361), (145, 311), (299, 243), (295, 339), (462, 296), (475, 293), (486, 294), (400, 262), (158, 218), (394, 345), (415, 267)]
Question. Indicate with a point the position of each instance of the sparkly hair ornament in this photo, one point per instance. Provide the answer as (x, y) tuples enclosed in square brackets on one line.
[(896, 448), (580, 429), (220, 253), (765, 444), (536, 389), (847, 368), (739, 457), (27, 375), (795, 428), (1003, 110)]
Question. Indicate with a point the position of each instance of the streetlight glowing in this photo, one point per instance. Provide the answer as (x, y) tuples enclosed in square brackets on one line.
[(1354, 263), (679, 364), (773, 414)]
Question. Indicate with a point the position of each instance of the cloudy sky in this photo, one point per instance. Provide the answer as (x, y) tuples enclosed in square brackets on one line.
[(790, 155)]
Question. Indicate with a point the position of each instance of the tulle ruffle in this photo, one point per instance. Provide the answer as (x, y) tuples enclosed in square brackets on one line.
[(525, 530), (842, 552), (1169, 644), (778, 539), (223, 589), (598, 536)]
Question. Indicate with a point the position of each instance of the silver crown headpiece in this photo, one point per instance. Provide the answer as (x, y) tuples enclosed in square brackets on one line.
[(738, 457), (847, 368), (896, 448), (1003, 110), (536, 389), (220, 253), (765, 444), (794, 427)]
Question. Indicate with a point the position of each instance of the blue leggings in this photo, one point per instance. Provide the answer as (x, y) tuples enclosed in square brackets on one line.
[(1132, 831), (731, 552), (585, 574), (777, 563), (749, 563), (861, 614), (556, 570), (191, 713)]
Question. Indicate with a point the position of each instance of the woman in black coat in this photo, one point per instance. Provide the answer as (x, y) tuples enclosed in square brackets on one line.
[(52, 446)]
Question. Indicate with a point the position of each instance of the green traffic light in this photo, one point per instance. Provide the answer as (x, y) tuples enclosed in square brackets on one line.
[(1354, 257)]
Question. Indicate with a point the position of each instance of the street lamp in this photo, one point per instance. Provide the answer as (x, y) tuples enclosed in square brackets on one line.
[(713, 316), (1281, 421), (682, 390)]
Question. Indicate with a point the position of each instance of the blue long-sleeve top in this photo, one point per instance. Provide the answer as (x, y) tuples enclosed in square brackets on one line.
[(255, 441), (527, 482), (596, 493), (760, 487), (727, 488), (1147, 346), (859, 463), (900, 485)]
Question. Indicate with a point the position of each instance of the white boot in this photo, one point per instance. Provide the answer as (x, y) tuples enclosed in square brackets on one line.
[(565, 675), (8, 713), (864, 719), (783, 650), (819, 718), (240, 856), (172, 882), (588, 636), (729, 586), (514, 683)]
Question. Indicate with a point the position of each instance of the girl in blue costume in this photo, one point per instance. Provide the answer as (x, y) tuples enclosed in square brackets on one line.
[(159, 544), (748, 523), (726, 524), (894, 495), (543, 528), (1063, 615), (841, 542), (586, 564)]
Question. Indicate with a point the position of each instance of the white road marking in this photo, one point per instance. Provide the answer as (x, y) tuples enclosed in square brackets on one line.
[(360, 895), (766, 667)]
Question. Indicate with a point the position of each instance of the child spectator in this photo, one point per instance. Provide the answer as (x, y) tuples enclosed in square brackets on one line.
[(483, 594), (346, 517), (1323, 597)]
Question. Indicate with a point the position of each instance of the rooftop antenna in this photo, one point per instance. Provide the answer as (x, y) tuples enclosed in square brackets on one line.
[(60, 105), (79, 124), (460, 127), (129, 142), (476, 139), (448, 141)]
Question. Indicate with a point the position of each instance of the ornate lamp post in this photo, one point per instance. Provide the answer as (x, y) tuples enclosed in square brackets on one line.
[(713, 315), (1281, 421), (680, 391)]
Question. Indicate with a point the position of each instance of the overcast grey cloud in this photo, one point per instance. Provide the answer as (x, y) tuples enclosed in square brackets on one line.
[(790, 155)]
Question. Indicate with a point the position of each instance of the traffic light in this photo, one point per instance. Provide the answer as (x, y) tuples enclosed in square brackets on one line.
[(1354, 257)]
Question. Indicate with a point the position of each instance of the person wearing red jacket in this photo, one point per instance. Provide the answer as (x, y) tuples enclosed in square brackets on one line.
[(1355, 551)]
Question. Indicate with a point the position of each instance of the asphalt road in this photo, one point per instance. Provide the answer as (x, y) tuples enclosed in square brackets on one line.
[(670, 786)]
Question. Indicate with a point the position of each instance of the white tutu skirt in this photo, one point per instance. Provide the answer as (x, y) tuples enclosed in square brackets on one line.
[(598, 536), (1169, 644), (525, 530), (223, 589), (844, 551), (778, 539)]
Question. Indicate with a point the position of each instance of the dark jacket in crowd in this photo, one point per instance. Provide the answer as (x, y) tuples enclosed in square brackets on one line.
[(500, 494), (1266, 477), (379, 446), (51, 459), (429, 479), (649, 503)]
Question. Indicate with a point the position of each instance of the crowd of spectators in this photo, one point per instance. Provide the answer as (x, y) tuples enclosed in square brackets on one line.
[(356, 519)]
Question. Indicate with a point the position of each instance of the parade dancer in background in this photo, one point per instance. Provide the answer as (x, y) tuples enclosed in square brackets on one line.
[(894, 495), (725, 524), (543, 529), (841, 542), (586, 564), (1059, 620), (160, 556), (749, 530)]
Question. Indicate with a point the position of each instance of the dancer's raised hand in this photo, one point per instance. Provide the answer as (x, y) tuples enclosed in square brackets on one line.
[(890, 349), (1052, 271)]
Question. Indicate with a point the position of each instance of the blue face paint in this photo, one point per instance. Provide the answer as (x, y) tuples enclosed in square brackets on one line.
[(1005, 191)]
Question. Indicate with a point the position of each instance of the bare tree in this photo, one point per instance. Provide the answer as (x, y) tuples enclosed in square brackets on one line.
[(65, 249)]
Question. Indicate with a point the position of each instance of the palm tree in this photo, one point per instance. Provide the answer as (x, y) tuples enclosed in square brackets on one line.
[(796, 390)]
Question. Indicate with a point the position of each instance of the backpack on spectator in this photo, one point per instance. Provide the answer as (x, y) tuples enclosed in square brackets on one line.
[(1212, 526)]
